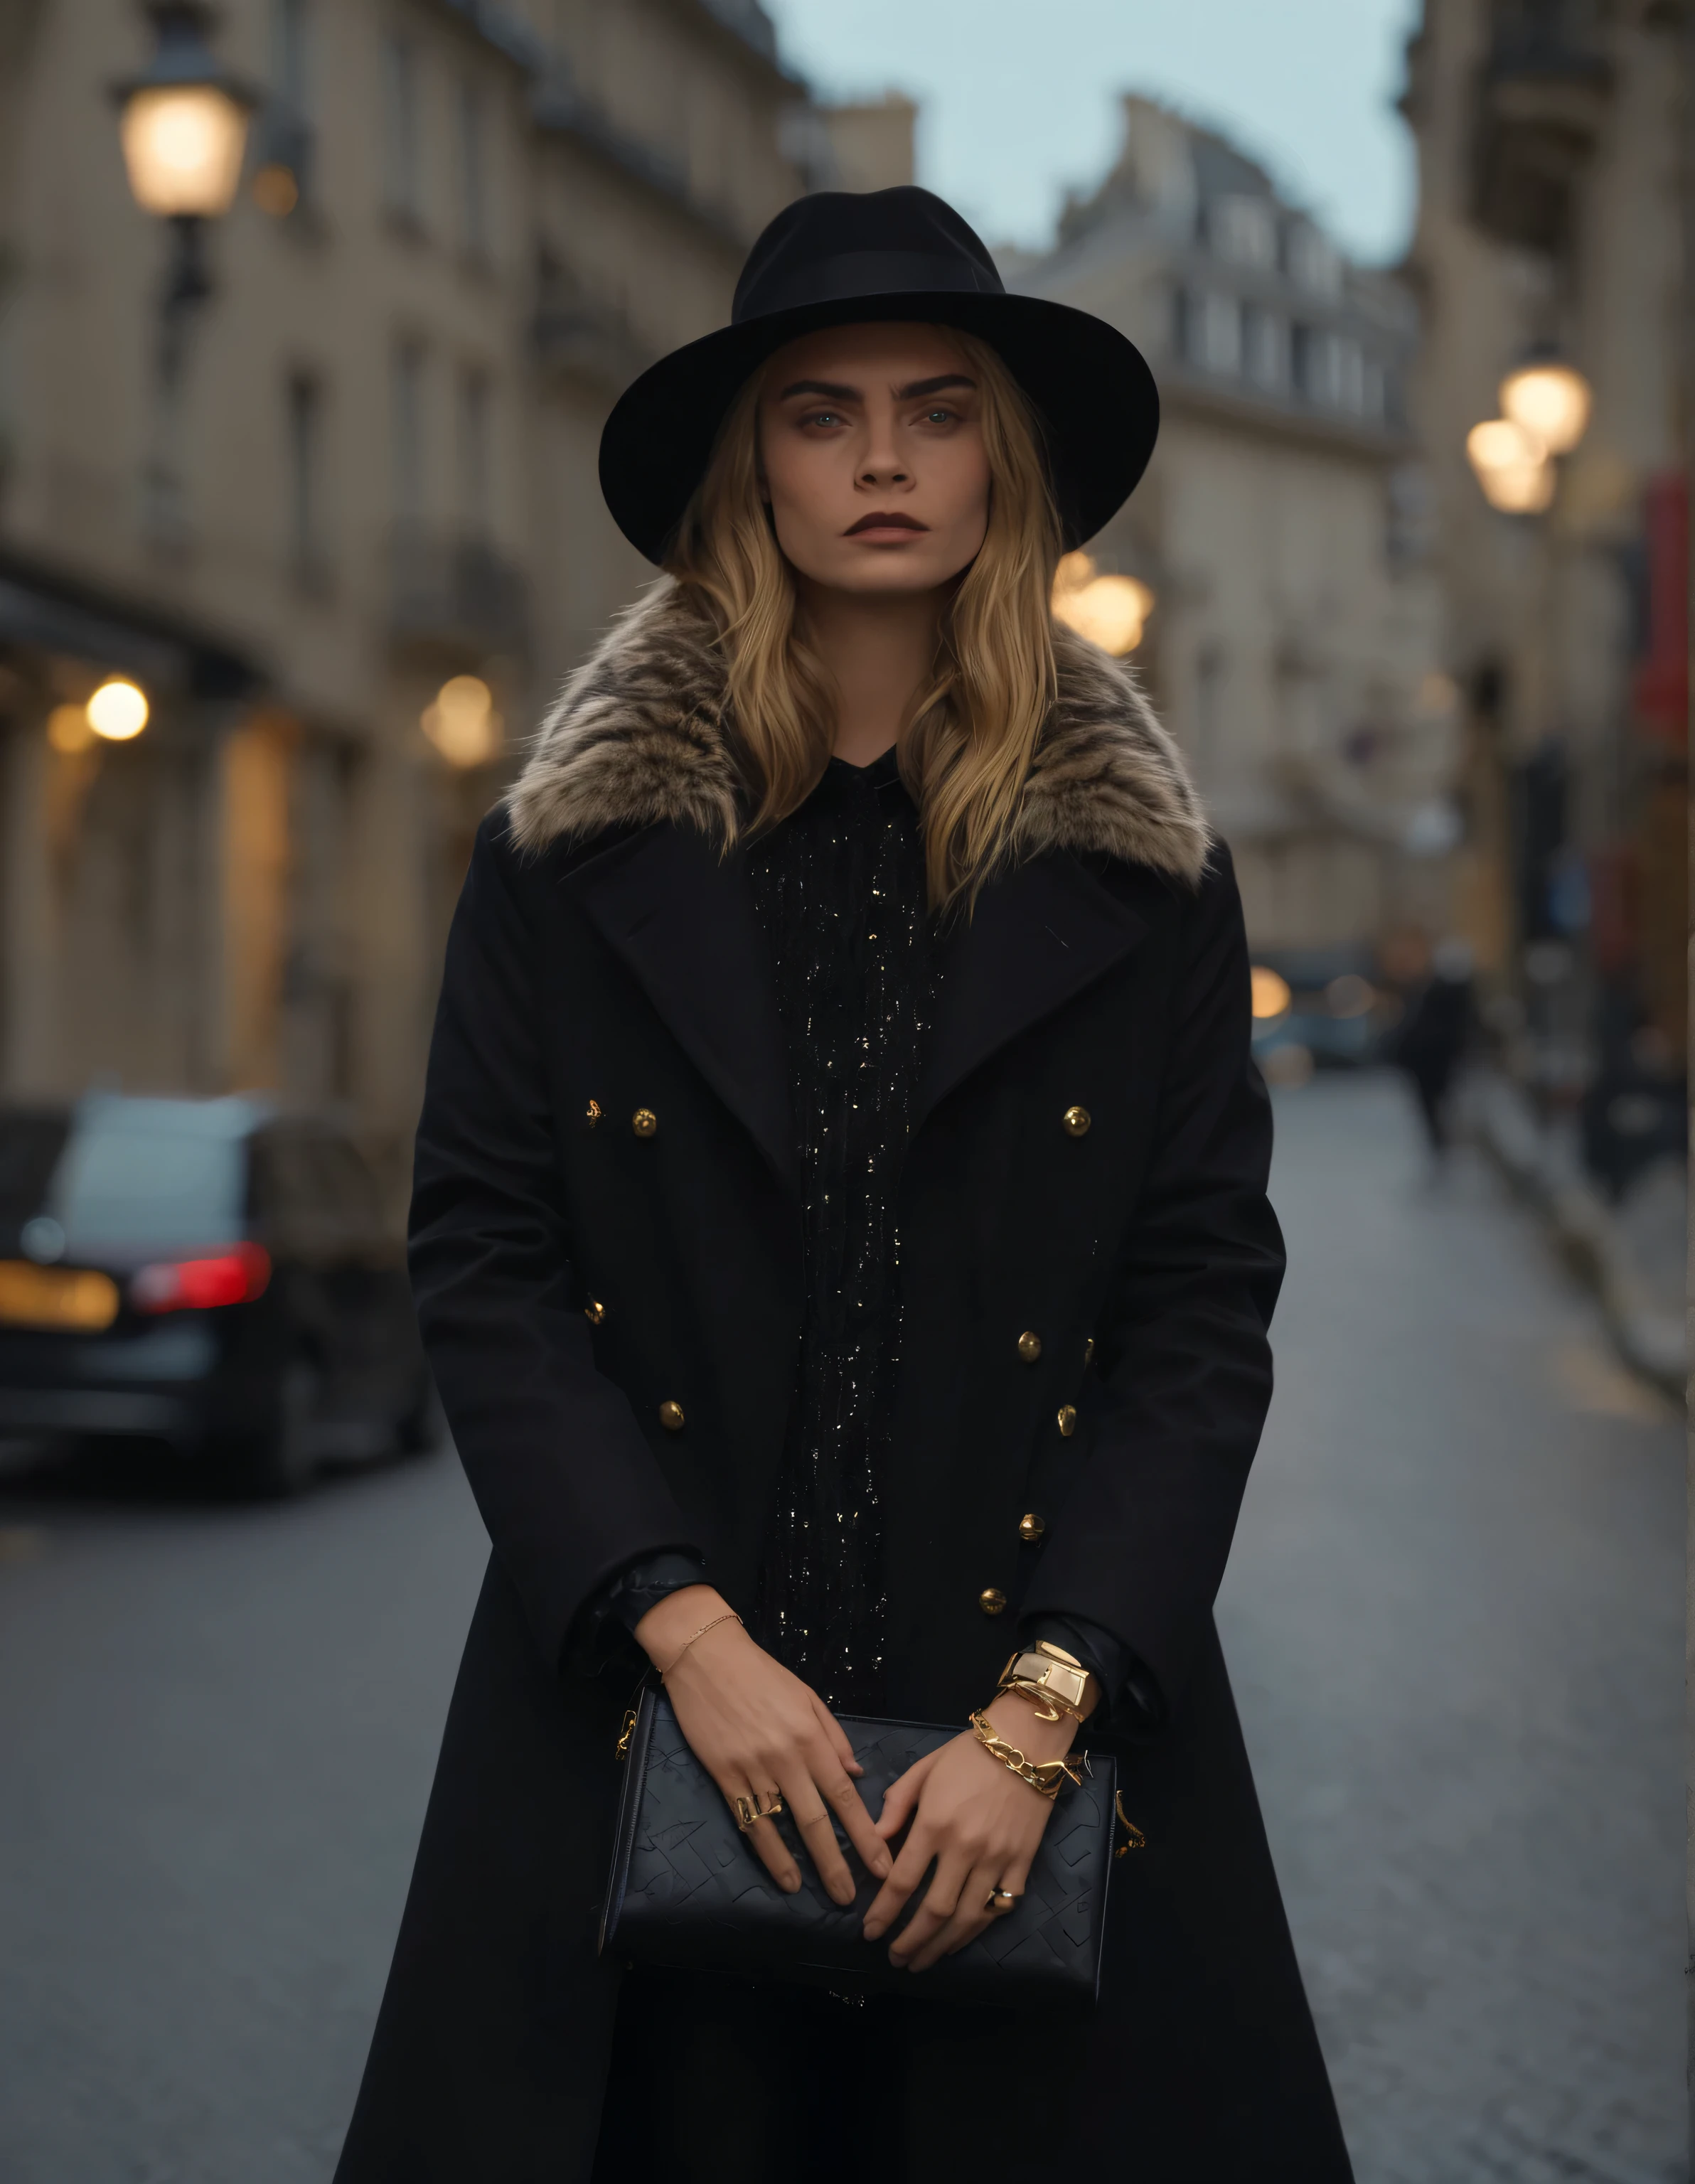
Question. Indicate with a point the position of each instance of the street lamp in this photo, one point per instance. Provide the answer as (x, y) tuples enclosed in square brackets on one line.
[(1549, 398), (183, 125), (1110, 611), (1513, 466)]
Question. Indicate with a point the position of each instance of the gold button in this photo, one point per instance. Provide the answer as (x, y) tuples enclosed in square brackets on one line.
[(1029, 1346), (1076, 1121), (992, 1600), (644, 1122), (671, 1417), (1030, 1527), (592, 1113), (1067, 1419), (1089, 1351), (595, 1311)]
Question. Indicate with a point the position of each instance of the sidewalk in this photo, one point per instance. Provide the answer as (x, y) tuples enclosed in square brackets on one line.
[(1632, 1252)]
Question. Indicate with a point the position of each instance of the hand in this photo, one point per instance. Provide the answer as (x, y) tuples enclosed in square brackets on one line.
[(755, 1727), (976, 1822)]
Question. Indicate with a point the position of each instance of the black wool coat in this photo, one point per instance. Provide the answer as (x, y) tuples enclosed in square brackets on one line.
[(606, 1257)]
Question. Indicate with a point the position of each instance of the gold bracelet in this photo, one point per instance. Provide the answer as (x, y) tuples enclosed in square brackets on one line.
[(1049, 1705), (1043, 1775), (729, 1615)]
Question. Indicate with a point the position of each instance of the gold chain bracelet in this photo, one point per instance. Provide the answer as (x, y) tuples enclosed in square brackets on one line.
[(729, 1615), (1043, 1775)]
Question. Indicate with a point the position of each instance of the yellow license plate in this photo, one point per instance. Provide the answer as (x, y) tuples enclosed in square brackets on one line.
[(75, 1297)]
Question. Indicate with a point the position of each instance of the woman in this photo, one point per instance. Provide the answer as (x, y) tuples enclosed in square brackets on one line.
[(840, 1236)]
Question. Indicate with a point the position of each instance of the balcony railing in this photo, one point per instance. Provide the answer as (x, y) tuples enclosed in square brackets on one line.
[(454, 597)]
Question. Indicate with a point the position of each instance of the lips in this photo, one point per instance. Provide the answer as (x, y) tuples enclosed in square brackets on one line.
[(882, 520)]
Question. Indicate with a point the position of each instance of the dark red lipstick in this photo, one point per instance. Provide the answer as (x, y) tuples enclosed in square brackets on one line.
[(882, 520)]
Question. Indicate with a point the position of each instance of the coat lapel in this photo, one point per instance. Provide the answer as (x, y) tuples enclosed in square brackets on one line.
[(680, 914), (1042, 933)]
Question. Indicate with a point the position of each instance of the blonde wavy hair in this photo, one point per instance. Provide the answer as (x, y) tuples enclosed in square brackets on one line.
[(974, 728)]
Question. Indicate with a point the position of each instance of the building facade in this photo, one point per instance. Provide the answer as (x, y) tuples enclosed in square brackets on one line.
[(1555, 139), (1295, 641), (348, 541)]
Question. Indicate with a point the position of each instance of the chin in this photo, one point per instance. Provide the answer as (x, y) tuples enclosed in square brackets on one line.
[(886, 569)]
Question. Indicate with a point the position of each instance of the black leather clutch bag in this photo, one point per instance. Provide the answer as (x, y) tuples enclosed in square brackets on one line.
[(687, 1889)]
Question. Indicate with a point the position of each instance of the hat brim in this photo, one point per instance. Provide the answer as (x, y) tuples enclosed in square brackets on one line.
[(1090, 387)]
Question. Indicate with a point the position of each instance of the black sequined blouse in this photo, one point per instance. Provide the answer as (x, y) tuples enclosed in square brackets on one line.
[(839, 889)]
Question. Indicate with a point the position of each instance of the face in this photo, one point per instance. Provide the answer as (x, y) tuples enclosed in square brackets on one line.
[(872, 456)]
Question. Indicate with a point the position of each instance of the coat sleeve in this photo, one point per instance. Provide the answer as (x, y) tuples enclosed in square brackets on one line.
[(1182, 1343), (567, 1483)]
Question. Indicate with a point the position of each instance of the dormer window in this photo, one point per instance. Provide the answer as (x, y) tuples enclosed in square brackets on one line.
[(1243, 230), (1265, 349), (1314, 262), (1212, 332)]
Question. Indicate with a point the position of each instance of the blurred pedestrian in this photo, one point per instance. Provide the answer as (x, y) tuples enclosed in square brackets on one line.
[(840, 1223), (1430, 1041)]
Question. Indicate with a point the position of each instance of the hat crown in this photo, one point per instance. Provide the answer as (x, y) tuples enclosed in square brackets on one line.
[(837, 244)]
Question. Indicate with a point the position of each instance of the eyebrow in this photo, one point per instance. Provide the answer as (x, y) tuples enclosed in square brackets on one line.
[(834, 391)]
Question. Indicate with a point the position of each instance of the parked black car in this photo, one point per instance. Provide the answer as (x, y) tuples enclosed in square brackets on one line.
[(207, 1272)]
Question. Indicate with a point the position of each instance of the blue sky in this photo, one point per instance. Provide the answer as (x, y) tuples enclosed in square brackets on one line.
[(1018, 98)]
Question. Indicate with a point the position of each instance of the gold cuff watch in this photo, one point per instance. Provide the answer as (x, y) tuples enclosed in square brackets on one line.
[(1052, 1679)]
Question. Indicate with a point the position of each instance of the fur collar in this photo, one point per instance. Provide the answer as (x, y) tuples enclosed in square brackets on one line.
[(639, 735)]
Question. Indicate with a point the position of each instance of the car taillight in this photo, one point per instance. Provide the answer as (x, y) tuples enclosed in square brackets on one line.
[(236, 1276)]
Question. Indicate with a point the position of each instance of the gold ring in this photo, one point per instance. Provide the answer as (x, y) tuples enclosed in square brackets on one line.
[(999, 1899), (750, 1810)]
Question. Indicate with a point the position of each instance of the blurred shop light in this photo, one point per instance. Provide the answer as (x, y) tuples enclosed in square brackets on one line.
[(1110, 611), (1549, 399), (463, 724), (69, 729), (1270, 992), (118, 711), (276, 191), (184, 121), (1350, 995), (1512, 466)]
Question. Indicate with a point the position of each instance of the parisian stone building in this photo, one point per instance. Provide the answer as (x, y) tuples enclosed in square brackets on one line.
[(1556, 219), (1295, 641), (348, 535)]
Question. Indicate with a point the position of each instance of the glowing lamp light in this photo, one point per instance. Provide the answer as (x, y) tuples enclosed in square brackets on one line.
[(1110, 611), (69, 730), (1550, 400), (276, 191), (462, 723), (1512, 465), (1270, 993), (118, 711), (183, 145)]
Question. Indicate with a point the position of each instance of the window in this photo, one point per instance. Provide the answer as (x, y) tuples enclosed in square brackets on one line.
[(1350, 375), (1265, 349), (305, 427), (1317, 366), (1244, 231), (400, 126), (408, 427), (472, 170), (1215, 332), (1314, 264), (476, 453)]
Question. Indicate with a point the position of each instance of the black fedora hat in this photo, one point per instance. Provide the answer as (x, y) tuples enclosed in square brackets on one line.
[(839, 258)]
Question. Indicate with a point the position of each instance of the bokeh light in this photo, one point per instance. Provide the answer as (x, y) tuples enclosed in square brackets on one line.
[(118, 711)]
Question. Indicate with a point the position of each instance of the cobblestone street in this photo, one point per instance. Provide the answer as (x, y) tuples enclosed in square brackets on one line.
[(1454, 1617)]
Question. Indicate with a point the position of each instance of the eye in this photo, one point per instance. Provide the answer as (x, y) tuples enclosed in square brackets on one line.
[(822, 417), (942, 416)]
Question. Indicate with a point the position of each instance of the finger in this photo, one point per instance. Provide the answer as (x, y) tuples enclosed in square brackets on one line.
[(838, 1736), (896, 1892), (942, 1898), (766, 1845), (972, 1916), (900, 1798), (848, 1807), (811, 1817)]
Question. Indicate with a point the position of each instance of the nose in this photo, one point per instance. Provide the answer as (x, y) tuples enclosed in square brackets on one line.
[(882, 462)]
